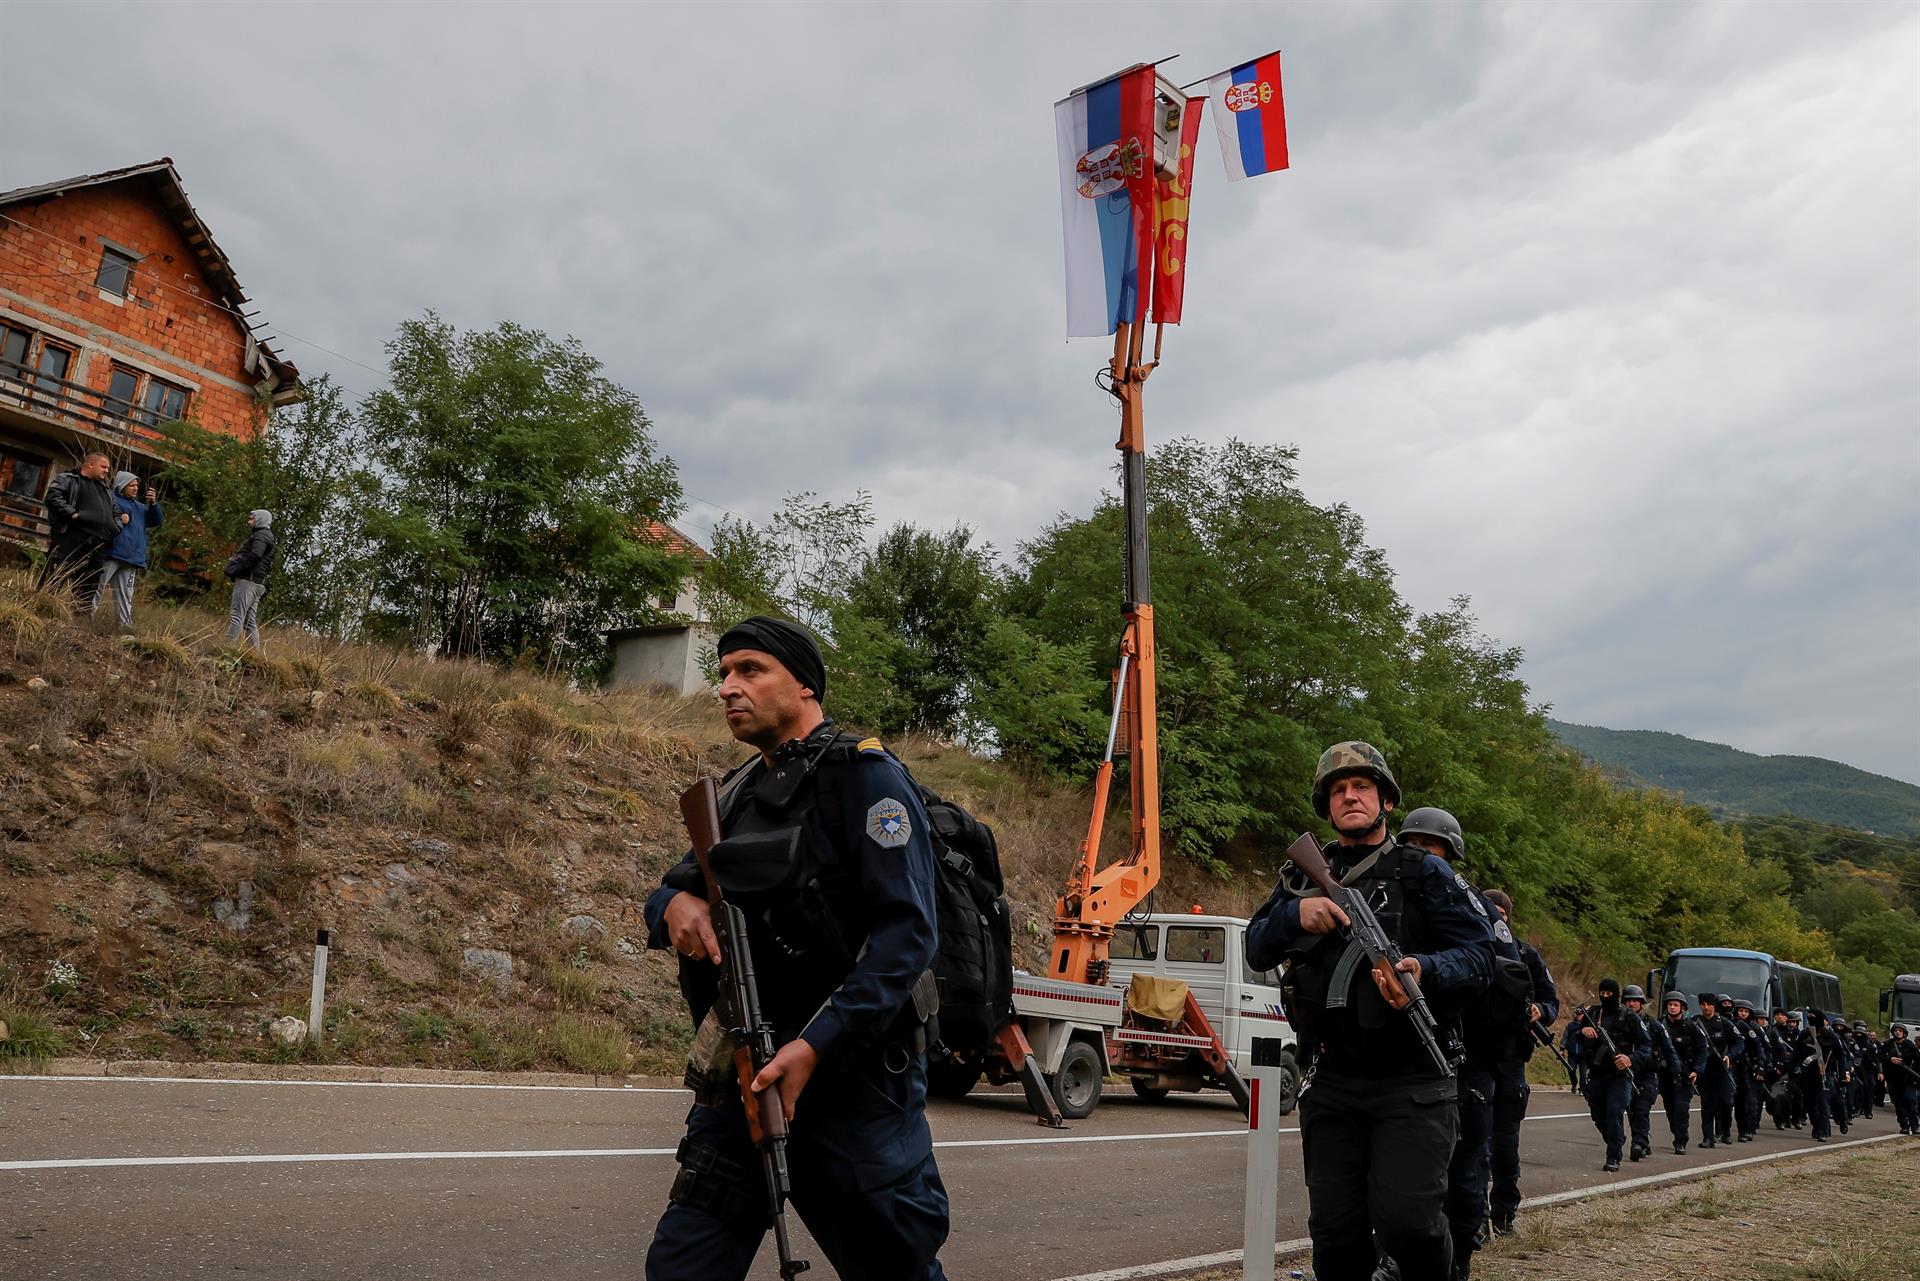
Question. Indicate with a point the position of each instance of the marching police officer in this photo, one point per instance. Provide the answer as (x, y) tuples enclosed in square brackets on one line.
[(1866, 1052), (852, 943), (1371, 1086), (1510, 1088), (1753, 1078), (1661, 1059), (1818, 1057), (1617, 1046), (1781, 1090), (1724, 1048), (1902, 1071), (1483, 1029), (1677, 1083)]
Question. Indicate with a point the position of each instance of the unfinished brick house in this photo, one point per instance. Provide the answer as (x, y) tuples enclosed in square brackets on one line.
[(118, 314)]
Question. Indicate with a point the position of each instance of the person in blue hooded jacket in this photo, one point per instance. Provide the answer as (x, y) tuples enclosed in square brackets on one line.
[(126, 556)]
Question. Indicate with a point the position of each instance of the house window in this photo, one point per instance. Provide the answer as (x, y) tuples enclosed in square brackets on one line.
[(116, 269), (53, 365), (21, 475), (163, 403), (13, 350), (120, 390)]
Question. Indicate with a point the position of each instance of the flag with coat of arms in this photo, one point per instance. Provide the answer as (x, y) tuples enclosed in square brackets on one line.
[(1108, 200), (1250, 118)]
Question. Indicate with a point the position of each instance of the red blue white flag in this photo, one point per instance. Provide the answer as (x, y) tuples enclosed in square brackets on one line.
[(1250, 118), (1108, 198), (1170, 236)]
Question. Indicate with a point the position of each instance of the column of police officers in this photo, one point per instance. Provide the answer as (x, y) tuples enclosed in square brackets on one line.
[(1408, 1166)]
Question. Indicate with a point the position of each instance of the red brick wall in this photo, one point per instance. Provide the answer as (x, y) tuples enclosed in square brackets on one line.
[(169, 307)]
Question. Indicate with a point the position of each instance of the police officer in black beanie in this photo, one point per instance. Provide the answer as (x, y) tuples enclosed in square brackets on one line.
[(849, 995)]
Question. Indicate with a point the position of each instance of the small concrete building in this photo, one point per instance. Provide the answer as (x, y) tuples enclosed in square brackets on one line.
[(667, 655)]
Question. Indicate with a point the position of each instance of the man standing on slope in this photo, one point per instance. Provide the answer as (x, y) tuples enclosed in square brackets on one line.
[(1371, 1086)]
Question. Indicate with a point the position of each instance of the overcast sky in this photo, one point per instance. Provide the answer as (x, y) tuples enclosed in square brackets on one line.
[(1607, 316)]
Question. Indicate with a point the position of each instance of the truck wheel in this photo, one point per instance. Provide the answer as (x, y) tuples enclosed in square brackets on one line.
[(1151, 1093), (950, 1078), (1076, 1086), (1289, 1084)]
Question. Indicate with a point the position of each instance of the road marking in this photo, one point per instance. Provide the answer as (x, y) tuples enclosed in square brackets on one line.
[(1173, 1267), (347, 1085), (294, 1158)]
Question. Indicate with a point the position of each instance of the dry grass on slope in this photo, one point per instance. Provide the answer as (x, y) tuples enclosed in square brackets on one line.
[(178, 816)]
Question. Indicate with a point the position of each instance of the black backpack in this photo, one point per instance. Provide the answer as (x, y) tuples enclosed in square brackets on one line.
[(973, 967)]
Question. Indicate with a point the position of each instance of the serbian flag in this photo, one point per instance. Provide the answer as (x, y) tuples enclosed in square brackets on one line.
[(1108, 196), (1249, 117), (1170, 237)]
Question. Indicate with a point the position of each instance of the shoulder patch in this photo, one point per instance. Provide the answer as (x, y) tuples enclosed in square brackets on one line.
[(871, 747), (1501, 932), (888, 824)]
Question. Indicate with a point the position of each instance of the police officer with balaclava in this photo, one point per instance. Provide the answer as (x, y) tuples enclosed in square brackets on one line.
[(1378, 1117), (1617, 1046)]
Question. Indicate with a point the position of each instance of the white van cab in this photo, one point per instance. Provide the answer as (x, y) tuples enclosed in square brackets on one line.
[(1208, 954)]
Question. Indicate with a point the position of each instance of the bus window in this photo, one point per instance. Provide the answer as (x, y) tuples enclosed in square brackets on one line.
[(1741, 977)]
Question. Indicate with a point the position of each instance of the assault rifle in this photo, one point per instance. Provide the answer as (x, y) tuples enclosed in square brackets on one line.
[(737, 1006), (1369, 938), (1545, 1038)]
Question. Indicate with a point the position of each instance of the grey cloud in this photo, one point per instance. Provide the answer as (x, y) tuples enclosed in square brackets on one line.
[(1607, 317)]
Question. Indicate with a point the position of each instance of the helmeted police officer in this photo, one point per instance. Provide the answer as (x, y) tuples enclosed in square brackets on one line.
[(840, 959), (1677, 1082), (1661, 1059), (1783, 1092), (1753, 1077), (1902, 1071), (1484, 1027), (1617, 1046), (1866, 1052), (1510, 1088), (1725, 1050), (1371, 1087)]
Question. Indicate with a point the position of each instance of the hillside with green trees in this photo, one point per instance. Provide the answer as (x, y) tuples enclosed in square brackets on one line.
[(1731, 782), (454, 549)]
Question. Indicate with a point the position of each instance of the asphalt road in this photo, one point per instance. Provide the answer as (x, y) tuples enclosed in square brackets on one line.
[(170, 1180)]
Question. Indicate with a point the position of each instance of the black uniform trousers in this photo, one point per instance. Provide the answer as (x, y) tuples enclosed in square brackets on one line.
[(1716, 1103), (1510, 1091), (871, 1220), (1749, 1099), (1906, 1101), (1676, 1092), (1608, 1093), (1813, 1087), (1376, 1153), (1467, 1171), (1646, 1088)]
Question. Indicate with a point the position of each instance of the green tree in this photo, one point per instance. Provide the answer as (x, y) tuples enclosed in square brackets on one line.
[(516, 480), (936, 597), (306, 465)]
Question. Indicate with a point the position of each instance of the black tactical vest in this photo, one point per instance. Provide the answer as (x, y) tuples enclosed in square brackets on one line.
[(1330, 991)]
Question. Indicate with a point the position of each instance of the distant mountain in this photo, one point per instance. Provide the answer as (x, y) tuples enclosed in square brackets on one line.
[(1731, 782)]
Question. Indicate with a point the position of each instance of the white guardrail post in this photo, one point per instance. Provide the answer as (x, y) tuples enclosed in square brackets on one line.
[(1264, 1084), (316, 1004)]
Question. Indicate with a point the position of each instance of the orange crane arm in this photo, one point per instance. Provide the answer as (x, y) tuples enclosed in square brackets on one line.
[(1094, 901)]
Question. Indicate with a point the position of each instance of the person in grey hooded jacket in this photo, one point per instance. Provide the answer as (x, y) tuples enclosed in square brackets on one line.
[(249, 568)]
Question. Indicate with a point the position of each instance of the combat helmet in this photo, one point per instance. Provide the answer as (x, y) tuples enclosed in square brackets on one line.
[(1437, 823), (1671, 997), (1859, 1025), (1744, 1004), (1634, 992), (1352, 757)]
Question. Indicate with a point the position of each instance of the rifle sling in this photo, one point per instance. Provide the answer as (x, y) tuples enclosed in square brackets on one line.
[(1355, 955)]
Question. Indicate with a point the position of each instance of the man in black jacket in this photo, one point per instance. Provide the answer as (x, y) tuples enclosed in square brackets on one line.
[(1902, 1071), (249, 568), (1378, 1116), (1678, 1082), (1510, 1088), (81, 523), (1661, 1060), (1726, 1050), (1616, 1045)]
